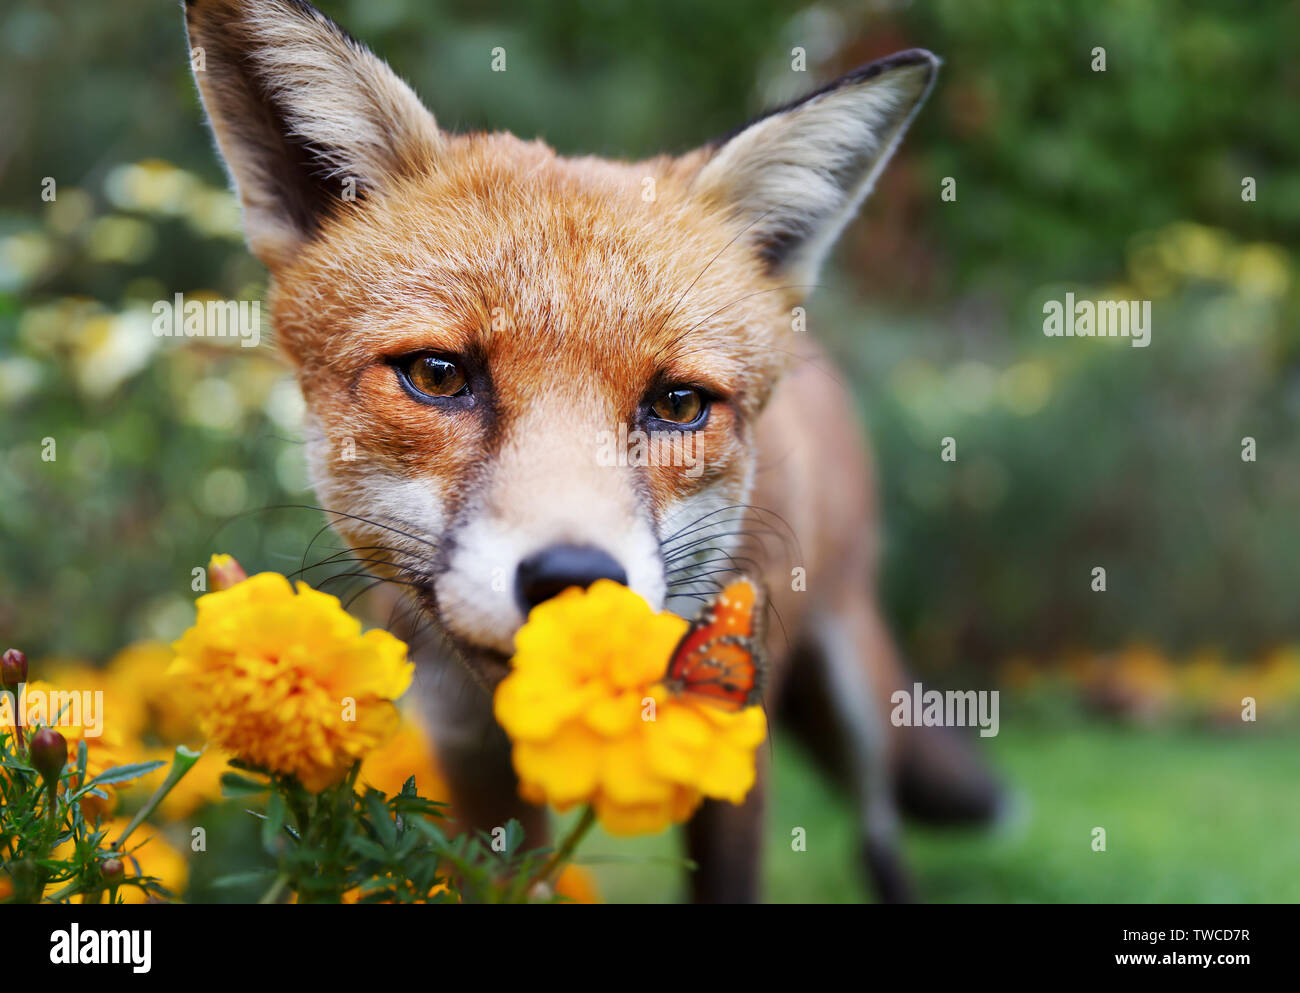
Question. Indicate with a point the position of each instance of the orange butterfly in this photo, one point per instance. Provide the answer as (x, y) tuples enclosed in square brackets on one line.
[(719, 659)]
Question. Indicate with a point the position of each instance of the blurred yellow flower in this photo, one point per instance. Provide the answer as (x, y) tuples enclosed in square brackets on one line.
[(1204, 681), (409, 752), (592, 723), (148, 854), (353, 896), (1279, 676), (155, 857), (103, 751), (1144, 671), (167, 706), (577, 884), (123, 711), (290, 682)]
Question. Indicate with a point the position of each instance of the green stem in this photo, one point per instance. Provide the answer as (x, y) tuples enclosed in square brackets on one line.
[(49, 835), (68, 890), (273, 894), (566, 849), (182, 762)]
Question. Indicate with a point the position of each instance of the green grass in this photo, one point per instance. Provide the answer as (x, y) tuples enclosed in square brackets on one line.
[(1190, 816)]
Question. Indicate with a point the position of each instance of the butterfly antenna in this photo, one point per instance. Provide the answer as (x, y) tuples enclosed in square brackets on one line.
[(771, 737)]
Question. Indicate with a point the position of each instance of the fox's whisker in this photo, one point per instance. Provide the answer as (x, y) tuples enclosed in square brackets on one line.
[(744, 508), (374, 581), (750, 537), (731, 507), (724, 571), (347, 554), (735, 560), (693, 566), (669, 542), (401, 570), (691, 550), (363, 591), (709, 591), (355, 517)]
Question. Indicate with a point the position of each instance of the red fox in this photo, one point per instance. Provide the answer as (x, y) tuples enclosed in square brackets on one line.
[(472, 317)]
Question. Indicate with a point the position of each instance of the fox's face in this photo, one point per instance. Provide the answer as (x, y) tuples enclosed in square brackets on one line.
[(469, 346), (525, 372)]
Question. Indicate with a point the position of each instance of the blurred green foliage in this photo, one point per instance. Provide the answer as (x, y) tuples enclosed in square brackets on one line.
[(1071, 454)]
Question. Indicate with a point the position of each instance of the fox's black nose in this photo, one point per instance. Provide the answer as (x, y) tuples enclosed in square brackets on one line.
[(553, 570)]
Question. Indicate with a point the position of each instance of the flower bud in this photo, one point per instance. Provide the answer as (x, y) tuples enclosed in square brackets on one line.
[(224, 572), (13, 669), (112, 871), (49, 753)]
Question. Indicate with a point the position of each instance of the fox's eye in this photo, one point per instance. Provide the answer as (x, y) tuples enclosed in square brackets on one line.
[(435, 376), (679, 405)]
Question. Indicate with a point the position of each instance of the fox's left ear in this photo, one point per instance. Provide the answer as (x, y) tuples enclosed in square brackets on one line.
[(798, 174)]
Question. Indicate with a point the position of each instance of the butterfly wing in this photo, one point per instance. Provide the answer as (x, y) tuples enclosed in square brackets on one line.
[(719, 658)]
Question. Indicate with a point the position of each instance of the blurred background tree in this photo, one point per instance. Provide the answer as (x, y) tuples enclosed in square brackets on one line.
[(1072, 454)]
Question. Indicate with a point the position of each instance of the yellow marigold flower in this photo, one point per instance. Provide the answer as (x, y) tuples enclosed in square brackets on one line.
[(577, 706), (290, 682)]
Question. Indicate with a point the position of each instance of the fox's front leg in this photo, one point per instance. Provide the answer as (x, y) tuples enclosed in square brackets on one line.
[(474, 753), (725, 841)]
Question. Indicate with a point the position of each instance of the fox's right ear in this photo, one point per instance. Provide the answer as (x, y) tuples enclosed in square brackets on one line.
[(306, 117)]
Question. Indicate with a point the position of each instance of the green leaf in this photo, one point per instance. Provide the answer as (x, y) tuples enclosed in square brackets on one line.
[(242, 879), (430, 830), (381, 821), (410, 841), (417, 805), (273, 824), (122, 773), (235, 785), (368, 849)]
